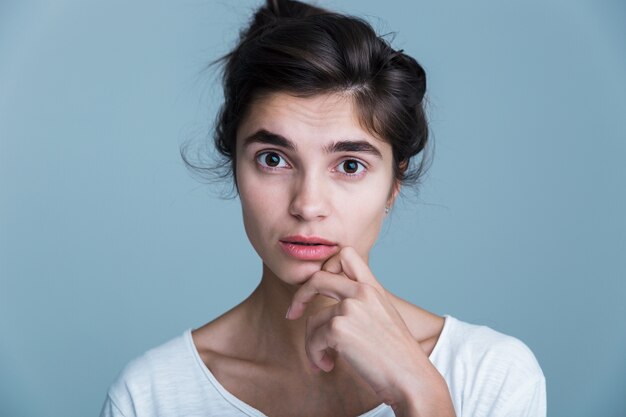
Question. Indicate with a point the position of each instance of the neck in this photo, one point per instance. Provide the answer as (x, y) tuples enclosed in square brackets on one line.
[(280, 342), (280, 339)]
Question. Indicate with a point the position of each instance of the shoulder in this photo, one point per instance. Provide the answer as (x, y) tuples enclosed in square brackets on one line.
[(162, 359), (156, 375), (488, 370), (479, 341)]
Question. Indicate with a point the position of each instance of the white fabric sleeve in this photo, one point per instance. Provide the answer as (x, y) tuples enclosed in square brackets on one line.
[(530, 400), (110, 409), (491, 374)]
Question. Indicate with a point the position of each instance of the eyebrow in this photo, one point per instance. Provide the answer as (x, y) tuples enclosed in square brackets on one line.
[(269, 138)]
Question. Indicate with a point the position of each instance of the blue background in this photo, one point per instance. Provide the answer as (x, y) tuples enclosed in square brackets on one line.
[(109, 247)]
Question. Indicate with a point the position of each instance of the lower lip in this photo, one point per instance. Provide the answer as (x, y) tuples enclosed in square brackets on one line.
[(308, 253)]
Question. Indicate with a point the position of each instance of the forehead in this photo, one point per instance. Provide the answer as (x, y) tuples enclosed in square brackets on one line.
[(321, 118)]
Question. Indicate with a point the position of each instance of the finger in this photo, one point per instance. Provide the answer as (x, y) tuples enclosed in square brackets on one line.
[(324, 338), (348, 261), (348, 307), (324, 283), (333, 264), (313, 323), (318, 319)]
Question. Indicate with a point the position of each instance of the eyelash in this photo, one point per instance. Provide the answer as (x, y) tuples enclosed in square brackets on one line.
[(258, 159)]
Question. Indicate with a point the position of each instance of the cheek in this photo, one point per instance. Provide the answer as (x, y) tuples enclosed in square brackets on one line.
[(363, 223), (261, 208), (254, 210)]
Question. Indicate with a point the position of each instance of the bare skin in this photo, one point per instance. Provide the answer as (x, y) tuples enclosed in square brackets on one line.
[(307, 169), (259, 356)]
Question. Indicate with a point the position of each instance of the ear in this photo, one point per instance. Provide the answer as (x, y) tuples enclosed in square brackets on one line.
[(395, 190), (397, 184)]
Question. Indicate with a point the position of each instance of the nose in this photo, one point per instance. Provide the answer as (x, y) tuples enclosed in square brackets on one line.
[(310, 199)]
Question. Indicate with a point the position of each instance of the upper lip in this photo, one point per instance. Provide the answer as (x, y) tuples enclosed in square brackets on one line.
[(307, 239)]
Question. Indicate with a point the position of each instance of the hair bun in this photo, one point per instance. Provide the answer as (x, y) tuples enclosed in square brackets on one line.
[(291, 9), (273, 11), (418, 75)]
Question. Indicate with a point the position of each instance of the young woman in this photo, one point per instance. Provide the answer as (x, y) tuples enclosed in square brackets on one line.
[(319, 126)]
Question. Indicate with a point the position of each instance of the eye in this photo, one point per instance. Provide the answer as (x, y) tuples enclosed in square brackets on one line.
[(271, 160), (351, 167)]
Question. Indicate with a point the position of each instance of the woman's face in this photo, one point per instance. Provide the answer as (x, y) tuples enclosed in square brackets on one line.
[(311, 180)]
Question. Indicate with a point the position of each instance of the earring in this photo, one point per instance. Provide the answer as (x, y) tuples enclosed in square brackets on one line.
[(386, 209)]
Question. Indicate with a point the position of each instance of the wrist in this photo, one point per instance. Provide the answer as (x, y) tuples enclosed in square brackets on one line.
[(427, 396)]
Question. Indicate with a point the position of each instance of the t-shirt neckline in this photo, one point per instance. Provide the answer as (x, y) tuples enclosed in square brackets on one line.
[(251, 411)]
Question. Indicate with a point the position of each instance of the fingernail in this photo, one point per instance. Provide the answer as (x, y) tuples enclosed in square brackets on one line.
[(288, 310)]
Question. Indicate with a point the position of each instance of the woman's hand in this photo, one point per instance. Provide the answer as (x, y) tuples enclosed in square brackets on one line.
[(366, 330)]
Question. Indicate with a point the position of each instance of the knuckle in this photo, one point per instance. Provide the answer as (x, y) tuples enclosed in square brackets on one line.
[(367, 292), (348, 306), (363, 291), (336, 325)]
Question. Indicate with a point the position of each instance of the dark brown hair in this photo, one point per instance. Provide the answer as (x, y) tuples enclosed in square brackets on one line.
[(293, 47)]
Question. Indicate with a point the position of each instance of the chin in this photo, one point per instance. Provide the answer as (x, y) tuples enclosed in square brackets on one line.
[(296, 273)]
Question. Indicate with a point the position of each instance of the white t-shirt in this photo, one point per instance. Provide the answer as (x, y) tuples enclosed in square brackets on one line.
[(489, 374)]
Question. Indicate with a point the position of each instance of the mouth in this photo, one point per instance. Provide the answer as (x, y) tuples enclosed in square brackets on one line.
[(307, 241), (308, 248)]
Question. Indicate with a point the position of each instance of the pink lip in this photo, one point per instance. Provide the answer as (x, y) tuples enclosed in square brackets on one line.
[(307, 239), (295, 247)]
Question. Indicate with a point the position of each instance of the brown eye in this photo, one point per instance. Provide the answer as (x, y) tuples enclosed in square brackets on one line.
[(351, 167), (271, 160)]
